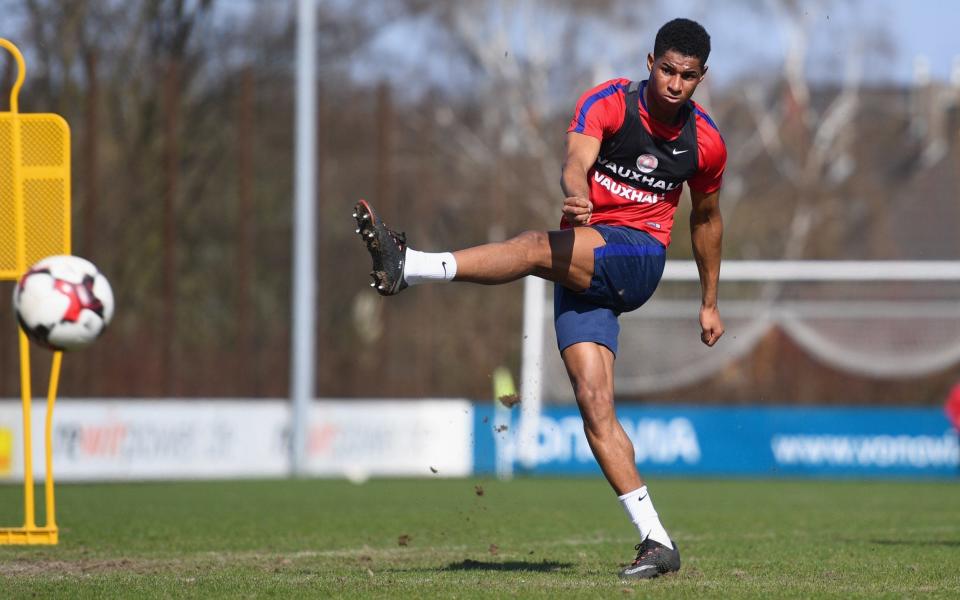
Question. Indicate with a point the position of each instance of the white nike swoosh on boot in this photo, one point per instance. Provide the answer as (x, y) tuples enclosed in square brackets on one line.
[(640, 568)]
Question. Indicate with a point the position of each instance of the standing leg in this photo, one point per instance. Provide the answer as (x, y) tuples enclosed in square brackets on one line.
[(590, 367)]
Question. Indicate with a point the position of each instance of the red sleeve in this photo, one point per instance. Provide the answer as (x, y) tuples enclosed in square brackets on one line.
[(599, 111), (713, 156)]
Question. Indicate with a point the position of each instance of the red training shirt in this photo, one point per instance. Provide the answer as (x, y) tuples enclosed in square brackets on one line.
[(600, 113)]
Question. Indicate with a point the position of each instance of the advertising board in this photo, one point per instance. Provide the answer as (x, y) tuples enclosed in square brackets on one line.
[(741, 441)]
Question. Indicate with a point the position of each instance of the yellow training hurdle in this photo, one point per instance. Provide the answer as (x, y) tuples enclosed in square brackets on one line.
[(34, 223)]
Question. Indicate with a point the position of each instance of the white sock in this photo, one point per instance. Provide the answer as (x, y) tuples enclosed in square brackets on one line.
[(640, 509), (422, 267)]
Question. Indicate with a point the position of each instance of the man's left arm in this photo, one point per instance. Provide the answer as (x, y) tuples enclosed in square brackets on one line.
[(706, 232)]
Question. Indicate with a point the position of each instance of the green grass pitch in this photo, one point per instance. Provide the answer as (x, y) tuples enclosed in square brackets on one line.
[(473, 538)]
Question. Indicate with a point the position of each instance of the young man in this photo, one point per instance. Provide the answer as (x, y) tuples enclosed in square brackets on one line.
[(630, 147)]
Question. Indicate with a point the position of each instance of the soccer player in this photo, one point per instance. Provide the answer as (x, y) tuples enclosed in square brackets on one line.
[(630, 147)]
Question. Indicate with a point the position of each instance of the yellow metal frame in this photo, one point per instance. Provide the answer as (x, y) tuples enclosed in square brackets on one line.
[(36, 236)]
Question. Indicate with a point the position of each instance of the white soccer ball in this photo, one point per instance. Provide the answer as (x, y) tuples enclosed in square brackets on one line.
[(63, 302)]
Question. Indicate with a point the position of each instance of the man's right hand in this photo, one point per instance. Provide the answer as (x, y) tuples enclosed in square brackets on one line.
[(577, 210)]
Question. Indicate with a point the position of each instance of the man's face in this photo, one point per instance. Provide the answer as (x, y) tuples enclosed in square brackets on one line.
[(673, 78)]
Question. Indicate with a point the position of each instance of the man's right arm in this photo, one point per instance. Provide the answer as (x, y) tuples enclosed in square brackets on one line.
[(582, 152)]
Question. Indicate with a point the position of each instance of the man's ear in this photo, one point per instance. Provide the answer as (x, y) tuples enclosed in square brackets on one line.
[(650, 62)]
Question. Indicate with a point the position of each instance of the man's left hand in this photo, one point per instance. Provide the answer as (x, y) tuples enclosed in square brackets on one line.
[(710, 324)]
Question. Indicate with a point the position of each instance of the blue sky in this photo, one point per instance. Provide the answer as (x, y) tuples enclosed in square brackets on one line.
[(747, 37), (906, 28)]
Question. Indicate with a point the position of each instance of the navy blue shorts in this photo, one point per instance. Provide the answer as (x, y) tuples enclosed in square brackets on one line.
[(626, 272)]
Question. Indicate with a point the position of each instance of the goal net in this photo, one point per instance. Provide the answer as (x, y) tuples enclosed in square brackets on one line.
[(886, 320)]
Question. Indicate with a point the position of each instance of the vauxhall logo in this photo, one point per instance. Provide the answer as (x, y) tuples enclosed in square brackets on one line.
[(646, 165), (625, 191)]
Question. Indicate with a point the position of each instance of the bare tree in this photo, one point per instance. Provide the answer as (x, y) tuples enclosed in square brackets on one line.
[(526, 62), (809, 147)]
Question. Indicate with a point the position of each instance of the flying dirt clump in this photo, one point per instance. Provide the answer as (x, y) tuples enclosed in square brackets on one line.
[(509, 400)]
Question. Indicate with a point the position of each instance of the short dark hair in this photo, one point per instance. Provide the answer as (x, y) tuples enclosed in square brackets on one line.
[(687, 37)]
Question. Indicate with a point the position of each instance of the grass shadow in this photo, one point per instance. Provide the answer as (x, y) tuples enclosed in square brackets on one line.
[(510, 565), (908, 542)]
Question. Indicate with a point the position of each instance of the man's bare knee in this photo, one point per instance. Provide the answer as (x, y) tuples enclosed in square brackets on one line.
[(535, 246), (596, 408)]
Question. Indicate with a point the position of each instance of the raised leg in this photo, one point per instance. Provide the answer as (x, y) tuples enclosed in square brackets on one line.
[(565, 257), (590, 367)]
